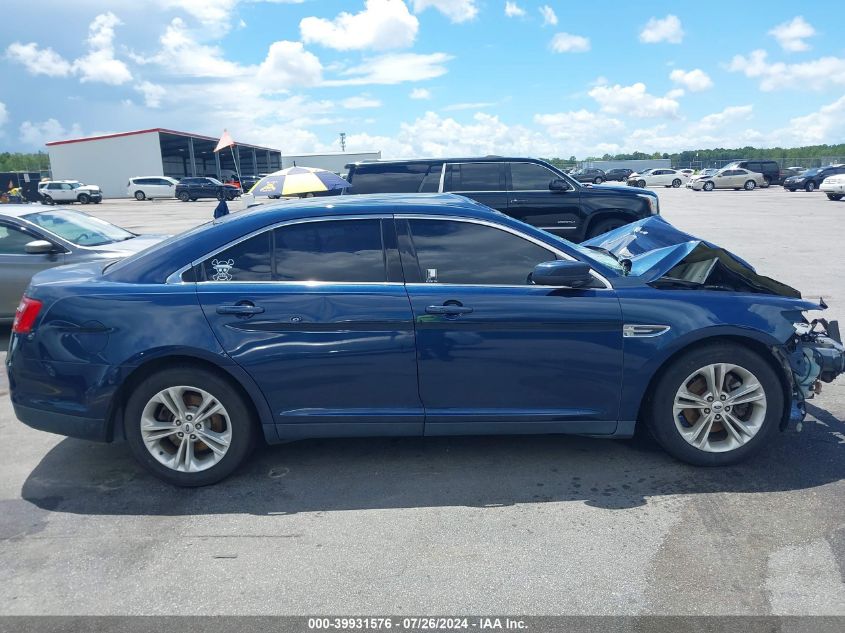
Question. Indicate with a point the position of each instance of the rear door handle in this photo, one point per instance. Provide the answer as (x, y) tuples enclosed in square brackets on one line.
[(516, 201), (450, 310), (244, 309)]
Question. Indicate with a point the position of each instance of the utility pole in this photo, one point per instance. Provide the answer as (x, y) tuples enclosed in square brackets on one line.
[(343, 141)]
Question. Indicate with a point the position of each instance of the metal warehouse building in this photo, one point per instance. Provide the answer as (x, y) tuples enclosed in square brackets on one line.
[(110, 160)]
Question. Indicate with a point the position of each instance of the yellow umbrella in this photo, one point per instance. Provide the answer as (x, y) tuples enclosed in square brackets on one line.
[(296, 180)]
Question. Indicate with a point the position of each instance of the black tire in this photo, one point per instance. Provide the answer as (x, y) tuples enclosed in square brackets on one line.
[(834, 196), (230, 196), (790, 189), (708, 186), (83, 198), (641, 184), (676, 183), (45, 199), (603, 226), (184, 196), (98, 201), (750, 185), (140, 195), (660, 414), (810, 187), (193, 198), (243, 425), (598, 180)]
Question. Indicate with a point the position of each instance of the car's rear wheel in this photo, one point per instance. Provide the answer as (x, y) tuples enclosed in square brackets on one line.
[(676, 183), (810, 186), (83, 198), (188, 426), (598, 180), (716, 405), (184, 196), (708, 186), (140, 195), (750, 185)]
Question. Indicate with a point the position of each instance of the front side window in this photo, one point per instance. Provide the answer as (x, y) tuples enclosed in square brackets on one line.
[(530, 177), (13, 241), (248, 260), (333, 250), (454, 252)]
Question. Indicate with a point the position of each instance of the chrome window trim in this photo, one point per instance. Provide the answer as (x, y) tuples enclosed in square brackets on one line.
[(507, 229), (176, 276)]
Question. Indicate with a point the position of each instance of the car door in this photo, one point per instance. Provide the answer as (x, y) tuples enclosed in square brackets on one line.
[(531, 201), (316, 312), (481, 181), (17, 266), (497, 354)]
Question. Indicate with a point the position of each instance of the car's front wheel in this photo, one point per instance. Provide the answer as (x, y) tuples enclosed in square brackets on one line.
[(188, 426), (716, 405), (834, 196), (810, 186), (83, 198), (708, 186), (641, 184)]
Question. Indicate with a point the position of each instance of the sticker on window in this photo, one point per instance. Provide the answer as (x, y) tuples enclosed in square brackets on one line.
[(222, 268)]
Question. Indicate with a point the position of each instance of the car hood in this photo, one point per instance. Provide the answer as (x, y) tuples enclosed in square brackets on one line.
[(663, 255)]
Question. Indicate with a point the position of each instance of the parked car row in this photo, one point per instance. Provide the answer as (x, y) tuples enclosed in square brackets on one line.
[(812, 179)]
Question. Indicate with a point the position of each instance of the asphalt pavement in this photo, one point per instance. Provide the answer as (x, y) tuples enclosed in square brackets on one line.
[(529, 525)]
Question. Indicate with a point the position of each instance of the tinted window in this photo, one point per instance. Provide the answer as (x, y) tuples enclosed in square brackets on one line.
[(466, 253), (246, 261), (474, 177), (336, 250), (13, 241), (530, 177)]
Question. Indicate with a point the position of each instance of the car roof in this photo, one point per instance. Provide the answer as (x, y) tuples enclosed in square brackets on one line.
[(464, 159)]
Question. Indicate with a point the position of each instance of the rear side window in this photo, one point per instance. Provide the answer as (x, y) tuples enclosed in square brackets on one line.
[(336, 250), (396, 178), (474, 177), (245, 261)]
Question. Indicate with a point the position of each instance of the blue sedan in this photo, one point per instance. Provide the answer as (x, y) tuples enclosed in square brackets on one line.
[(399, 315)]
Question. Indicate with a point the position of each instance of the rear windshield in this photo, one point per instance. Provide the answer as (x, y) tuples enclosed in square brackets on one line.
[(396, 178)]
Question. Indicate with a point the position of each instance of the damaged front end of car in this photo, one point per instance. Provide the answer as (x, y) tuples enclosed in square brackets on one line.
[(813, 355)]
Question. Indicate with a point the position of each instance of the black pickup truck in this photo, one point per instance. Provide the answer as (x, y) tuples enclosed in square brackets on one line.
[(527, 189)]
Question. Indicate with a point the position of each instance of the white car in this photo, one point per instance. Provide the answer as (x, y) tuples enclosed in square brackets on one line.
[(657, 178), (834, 187), (68, 191), (150, 187)]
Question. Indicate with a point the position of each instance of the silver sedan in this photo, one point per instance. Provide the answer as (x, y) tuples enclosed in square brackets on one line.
[(32, 240), (729, 179)]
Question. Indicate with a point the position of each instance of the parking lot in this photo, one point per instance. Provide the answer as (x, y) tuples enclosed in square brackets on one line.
[(535, 525)]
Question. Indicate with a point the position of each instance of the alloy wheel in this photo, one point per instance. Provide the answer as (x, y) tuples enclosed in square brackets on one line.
[(186, 429), (719, 407)]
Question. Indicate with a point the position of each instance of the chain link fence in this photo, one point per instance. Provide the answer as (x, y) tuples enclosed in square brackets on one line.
[(804, 163)]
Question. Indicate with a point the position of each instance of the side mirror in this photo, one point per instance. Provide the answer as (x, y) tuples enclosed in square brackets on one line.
[(563, 272), (39, 247), (559, 184)]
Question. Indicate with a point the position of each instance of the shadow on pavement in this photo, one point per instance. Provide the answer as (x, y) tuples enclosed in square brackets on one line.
[(330, 475)]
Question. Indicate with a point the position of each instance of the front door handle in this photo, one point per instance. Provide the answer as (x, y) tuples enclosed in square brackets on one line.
[(448, 310), (516, 201), (242, 309)]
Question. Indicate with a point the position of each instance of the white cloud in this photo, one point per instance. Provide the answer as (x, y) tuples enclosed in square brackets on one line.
[(568, 43), (676, 93), (393, 69), (181, 54), (513, 10), (579, 129), (288, 64), (729, 115), (4, 114), (455, 10), (39, 61), (381, 25), (360, 102), (817, 74), (37, 134), (822, 126), (216, 16), (694, 80), (633, 101), (478, 105), (667, 29), (549, 15), (791, 35), (152, 93), (420, 93), (100, 63)]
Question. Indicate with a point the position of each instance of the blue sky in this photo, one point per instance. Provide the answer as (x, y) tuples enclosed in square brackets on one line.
[(430, 77)]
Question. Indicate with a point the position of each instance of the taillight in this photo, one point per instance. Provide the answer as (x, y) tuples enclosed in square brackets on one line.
[(25, 315)]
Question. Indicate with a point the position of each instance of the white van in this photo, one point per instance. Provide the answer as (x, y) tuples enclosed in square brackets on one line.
[(149, 187)]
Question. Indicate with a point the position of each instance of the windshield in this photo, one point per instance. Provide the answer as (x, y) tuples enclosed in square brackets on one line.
[(813, 172), (79, 228)]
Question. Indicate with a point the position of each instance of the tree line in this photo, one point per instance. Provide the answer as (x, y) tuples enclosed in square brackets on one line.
[(16, 161)]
